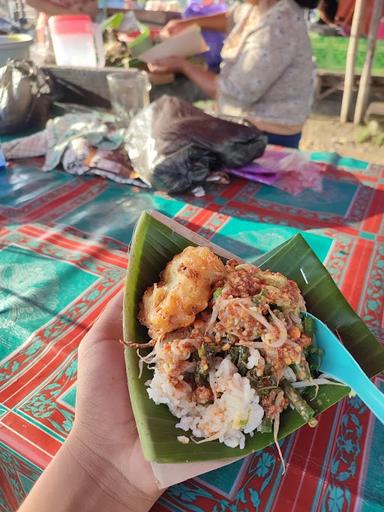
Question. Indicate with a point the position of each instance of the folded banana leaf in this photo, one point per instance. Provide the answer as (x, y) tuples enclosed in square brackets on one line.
[(155, 241)]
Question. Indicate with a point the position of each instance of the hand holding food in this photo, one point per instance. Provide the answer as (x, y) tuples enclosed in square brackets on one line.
[(101, 464), (167, 65), (174, 27)]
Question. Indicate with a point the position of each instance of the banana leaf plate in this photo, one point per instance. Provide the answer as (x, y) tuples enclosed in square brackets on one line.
[(156, 240)]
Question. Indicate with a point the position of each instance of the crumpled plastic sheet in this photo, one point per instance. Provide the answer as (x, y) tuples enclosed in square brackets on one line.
[(290, 171), (173, 145)]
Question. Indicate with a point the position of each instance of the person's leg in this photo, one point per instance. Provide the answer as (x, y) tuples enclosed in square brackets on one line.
[(288, 141)]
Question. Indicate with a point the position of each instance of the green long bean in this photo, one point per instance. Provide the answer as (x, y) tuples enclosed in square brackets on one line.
[(308, 326), (301, 406), (301, 370)]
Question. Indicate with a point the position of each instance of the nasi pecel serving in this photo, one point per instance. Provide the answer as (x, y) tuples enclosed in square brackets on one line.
[(229, 347)]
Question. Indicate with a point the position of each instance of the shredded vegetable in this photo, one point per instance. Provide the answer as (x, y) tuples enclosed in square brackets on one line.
[(319, 381), (276, 425), (301, 406)]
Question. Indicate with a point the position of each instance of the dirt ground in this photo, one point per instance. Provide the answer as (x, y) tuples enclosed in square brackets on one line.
[(324, 132)]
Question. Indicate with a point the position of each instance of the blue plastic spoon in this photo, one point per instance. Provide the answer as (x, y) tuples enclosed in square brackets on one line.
[(338, 363)]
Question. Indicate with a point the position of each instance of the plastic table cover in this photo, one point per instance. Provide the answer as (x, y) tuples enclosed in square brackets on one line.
[(63, 254)]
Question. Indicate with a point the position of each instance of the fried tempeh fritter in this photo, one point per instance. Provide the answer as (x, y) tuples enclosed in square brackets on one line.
[(183, 292)]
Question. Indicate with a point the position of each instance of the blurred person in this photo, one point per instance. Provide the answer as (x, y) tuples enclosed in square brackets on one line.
[(267, 71), (328, 11)]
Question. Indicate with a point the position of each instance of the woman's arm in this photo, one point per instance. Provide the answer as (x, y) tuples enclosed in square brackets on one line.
[(101, 466), (67, 486), (218, 22), (206, 80)]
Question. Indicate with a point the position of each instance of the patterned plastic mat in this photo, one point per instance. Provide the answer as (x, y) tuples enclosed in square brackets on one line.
[(63, 243)]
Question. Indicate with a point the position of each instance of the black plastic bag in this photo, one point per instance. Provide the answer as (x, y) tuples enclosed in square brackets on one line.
[(174, 145), (26, 94)]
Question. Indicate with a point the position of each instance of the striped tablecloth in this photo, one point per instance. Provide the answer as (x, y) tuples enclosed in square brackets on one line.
[(63, 243)]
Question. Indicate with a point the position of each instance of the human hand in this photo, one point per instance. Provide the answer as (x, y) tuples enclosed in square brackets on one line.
[(168, 65), (174, 27), (104, 437)]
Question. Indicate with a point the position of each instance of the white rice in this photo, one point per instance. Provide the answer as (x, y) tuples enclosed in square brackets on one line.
[(253, 359), (232, 415), (289, 374)]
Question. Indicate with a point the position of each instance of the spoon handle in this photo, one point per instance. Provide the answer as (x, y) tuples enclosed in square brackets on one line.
[(369, 393)]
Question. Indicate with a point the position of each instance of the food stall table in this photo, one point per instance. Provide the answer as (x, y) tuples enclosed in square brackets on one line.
[(63, 255)]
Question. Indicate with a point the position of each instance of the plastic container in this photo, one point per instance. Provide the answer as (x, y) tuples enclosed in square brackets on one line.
[(159, 18), (129, 93), (76, 41), (15, 46)]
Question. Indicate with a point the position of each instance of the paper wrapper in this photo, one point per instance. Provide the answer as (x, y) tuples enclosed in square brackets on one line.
[(186, 44), (171, 474)]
